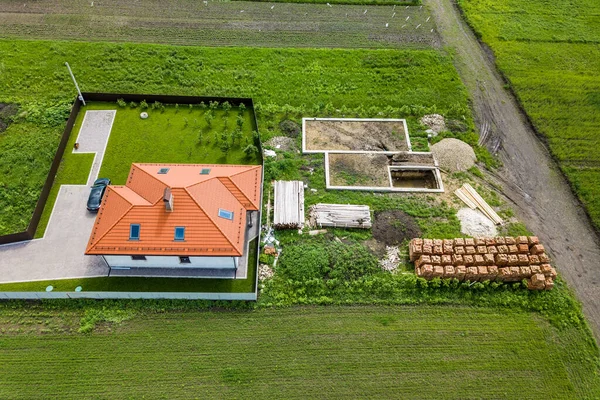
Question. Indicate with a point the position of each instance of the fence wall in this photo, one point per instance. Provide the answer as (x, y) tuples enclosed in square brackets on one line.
[(126, 295)]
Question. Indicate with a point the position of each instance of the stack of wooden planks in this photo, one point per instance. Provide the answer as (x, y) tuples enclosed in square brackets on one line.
[(289, 205), (473, 200), (340, 216)]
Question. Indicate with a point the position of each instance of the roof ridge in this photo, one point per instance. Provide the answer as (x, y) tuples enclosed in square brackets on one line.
[(95, 242), (210, 218)]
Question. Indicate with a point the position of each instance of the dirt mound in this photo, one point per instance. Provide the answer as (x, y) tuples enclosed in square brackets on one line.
[(290, 128), (7, 111), (454, 155), (394, 227), (474, 223)]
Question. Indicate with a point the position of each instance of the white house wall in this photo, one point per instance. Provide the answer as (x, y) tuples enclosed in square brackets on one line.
[(172, 261)]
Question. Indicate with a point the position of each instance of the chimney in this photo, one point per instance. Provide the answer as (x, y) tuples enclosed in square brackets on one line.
[(168, 199)]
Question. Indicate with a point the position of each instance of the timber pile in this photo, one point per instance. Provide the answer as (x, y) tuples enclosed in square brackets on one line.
[(473, 200), (340, 216), (505, 259), (289, 205)]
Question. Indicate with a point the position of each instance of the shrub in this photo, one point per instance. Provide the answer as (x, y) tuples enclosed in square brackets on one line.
[(290, 128), (133, 104), (226, 106), (121, 103), (250, 150), (144, 105), (156, 105)]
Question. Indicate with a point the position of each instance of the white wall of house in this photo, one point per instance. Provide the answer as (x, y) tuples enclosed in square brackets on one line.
[(172, 261)]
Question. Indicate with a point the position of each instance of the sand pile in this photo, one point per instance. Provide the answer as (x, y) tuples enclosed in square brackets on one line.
[(454, 155)]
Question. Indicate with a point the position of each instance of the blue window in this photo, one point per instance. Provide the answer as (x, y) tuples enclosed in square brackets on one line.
[(163, 170), (205, 171), (226, 214), (179, 233), (134, 232)]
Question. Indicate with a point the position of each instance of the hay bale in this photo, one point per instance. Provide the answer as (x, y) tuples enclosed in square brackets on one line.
[(454, 155)]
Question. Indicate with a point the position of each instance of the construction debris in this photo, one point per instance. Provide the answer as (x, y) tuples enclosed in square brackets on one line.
[(289, 205), (473, 200), (265, 272), (504, 259), (391, 260), (475, 223), (340, 216), (435, 122)]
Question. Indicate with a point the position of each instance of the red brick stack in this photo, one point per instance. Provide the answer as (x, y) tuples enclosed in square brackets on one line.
[(506, 259)]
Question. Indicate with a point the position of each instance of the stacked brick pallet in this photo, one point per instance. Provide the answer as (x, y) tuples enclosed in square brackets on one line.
[(506, 259)]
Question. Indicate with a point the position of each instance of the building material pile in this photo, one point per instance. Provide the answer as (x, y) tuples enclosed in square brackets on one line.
[(289, 205), (473, 200), (505, 259), (340, 216)]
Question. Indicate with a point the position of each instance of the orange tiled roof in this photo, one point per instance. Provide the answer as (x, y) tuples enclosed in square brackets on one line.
[(197, 199)]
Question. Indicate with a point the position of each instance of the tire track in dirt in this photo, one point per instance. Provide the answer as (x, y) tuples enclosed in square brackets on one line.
[(530, 178)]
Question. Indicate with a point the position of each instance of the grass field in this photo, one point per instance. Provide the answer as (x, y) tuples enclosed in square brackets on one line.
[(337, 352), (550, 52), (318, 82), (224, 23)]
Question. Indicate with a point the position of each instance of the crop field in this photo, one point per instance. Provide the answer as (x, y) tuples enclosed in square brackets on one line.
[(283, 83), (383, 352), (194, 23), (550, 52)]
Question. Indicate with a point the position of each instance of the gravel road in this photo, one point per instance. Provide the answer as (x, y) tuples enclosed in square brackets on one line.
[(530, 178)]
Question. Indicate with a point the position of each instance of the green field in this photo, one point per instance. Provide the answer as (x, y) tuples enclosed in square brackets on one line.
[(283, 83), (550, 53), (225, 23), (337, 352)]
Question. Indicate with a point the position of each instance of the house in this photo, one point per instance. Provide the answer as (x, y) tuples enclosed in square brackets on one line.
[(179, 220)]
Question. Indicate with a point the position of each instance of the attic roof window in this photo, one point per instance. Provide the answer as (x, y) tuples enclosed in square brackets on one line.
[(163, 171), (205, 171), (134, 232), (179, 233), (226, 214)]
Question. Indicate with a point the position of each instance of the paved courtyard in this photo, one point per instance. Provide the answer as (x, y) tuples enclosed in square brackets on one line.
[(59, 254)]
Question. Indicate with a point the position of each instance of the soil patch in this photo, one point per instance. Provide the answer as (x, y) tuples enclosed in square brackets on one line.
[(7, 111), (355, 135), (358, 170), (393, 227)]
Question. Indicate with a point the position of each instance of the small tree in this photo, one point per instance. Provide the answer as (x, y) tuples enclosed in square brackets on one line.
[(237, 136), (226, 106), (122, 103), (208, 117), (203, 105), (156, 105), (191, 107), (239, 121), (200, 137), (185, 122), (176, 108), (144, 105), (133, 104), (242, 108), (250, 150), (213, 105), (225, 146)]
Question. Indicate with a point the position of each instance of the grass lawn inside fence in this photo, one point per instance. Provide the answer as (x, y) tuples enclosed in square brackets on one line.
[(420, 352)]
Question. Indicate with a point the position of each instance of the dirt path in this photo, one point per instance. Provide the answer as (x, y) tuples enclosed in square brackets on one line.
[(530, 178)]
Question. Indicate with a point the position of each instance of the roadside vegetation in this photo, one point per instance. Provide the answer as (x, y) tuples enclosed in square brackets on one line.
[(440, 352), (549, 53)]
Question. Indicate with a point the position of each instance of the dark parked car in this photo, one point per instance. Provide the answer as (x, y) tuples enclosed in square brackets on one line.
[(96, 194)]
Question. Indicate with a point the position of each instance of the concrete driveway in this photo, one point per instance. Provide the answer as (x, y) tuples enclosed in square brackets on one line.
[(59, 254)]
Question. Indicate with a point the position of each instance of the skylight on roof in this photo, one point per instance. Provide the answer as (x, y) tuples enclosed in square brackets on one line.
[(226, 214), (163, 170), (134, 232), (205, 171), (179, 233)]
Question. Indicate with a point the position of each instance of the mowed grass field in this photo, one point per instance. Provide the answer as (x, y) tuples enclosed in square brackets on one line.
[(216, 23), (35, 77), (319, 352), (550, 52)]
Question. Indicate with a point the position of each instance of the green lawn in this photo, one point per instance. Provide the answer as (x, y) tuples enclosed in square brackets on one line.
[(321, 352), (550, 52)]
